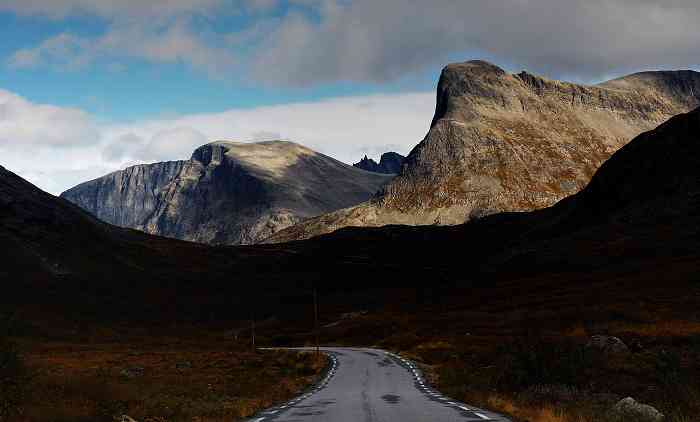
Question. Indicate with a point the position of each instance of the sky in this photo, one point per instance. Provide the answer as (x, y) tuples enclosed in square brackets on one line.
[(92, 86)]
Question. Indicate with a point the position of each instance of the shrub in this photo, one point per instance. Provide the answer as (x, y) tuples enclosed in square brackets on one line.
[(533, 362)]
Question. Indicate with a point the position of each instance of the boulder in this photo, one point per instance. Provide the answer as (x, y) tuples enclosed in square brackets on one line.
[(181, 366), (607, 345), (132, 372), (629, 409)]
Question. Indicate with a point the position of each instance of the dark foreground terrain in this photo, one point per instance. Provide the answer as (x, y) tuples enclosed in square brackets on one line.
[(499, 313)]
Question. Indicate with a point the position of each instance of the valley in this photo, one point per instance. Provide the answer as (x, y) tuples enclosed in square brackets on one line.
[(524, 289), (534, 258)]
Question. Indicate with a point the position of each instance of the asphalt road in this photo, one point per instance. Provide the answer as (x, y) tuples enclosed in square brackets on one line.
[(368, 385)]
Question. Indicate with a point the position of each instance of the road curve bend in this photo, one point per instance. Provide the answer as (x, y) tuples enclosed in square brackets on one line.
[(370, 385)]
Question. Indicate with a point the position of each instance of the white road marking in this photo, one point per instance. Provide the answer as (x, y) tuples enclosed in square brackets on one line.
[(411, 368)]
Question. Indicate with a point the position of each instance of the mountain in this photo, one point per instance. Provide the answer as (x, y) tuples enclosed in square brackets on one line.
[(633, 234), (622, 257), (59, 262), (227, 193), (638, 220), (389, 163), (48, 238), (511, 142), (653, 180)]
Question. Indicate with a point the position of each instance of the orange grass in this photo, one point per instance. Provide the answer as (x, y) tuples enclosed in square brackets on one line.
[(186, 382)]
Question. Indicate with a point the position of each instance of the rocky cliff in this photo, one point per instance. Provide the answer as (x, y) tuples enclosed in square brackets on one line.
[(389, 163), (512, 142), (126, 198), (227, 193)]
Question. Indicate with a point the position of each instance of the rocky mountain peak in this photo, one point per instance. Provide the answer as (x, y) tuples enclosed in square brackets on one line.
[(534, 82), (473, 79), (209, 154), (390, 163), (274, 158), (474, 68), (502, 142), (228, 192)]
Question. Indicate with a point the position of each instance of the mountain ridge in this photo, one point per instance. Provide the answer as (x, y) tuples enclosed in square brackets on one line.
[(501, 142), (227, 193), (389, 163)]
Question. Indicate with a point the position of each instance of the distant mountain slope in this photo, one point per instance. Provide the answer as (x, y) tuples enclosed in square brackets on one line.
[(48, 238), (389, 163), (633, 234), (503, 142), (227, 193)]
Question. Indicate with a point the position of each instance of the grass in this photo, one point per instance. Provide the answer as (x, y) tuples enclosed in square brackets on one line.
[(535, 366), (556, 378), (158, 379), (12, 372), (668, 329), (511, 350)]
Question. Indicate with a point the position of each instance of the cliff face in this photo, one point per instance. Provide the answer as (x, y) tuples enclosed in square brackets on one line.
[(389, 163), (503, 142), (126, 198), (227, 193)]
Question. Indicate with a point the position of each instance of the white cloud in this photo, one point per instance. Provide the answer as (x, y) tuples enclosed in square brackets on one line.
[(111, 9), (25, 123), (167, 43), (343, 127), (159, 31), (380, 40), (58, 148), (119, 147), (170, 144), (324, 41)]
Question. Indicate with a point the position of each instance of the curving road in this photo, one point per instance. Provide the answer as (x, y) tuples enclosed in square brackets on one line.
[(369, 385)]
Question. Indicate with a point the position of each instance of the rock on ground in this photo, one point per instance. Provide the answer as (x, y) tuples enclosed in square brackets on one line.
[(632, 410), (607, 344)]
